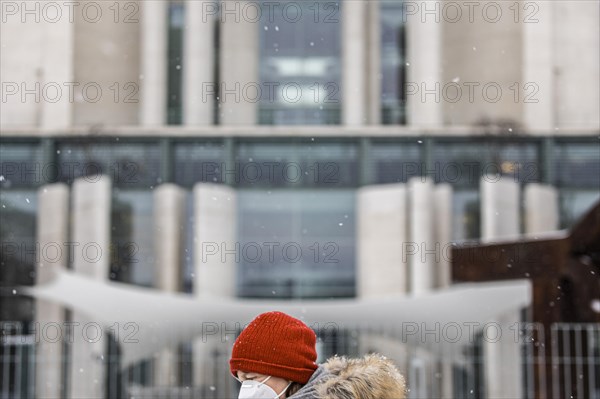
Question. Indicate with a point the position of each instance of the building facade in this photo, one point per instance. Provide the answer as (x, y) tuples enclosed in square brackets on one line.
[(280, 149)]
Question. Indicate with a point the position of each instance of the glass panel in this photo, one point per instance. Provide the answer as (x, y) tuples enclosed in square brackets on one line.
[(393, 62), (187, 255), (130, 165), (199, 162), (175, 60), (300, 63), (296, 244), (463, 164), (466, 215), (19, 255), (395, 163), (21, 166), (327, 165), (132, 238), (577, 165), (576, 203)]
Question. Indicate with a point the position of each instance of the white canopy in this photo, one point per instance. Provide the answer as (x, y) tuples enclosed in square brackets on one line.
[(166, 319)]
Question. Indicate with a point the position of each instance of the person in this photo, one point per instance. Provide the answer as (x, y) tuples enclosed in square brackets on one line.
[(275, 356)]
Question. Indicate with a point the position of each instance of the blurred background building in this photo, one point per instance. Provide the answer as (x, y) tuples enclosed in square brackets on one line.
[(182, 138)]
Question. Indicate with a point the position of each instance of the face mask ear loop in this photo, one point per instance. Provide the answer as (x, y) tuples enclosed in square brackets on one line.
[(285, 389), (265, 380)]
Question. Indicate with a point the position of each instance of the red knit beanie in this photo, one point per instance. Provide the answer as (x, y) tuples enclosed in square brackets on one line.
[(278, 345)]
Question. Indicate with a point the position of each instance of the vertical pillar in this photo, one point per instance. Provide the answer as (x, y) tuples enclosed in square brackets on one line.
[(198, 63), (424, 58), (239, 51), (500, 220), (541, 208), (169, 202), (52, 233), (442, 213), (499, 208), (215, 257), (354, 62), (90, 218), (373, 71), (57, 62), (153, 90), (422, 259), (538, 67), (576, 28), (381, 237)]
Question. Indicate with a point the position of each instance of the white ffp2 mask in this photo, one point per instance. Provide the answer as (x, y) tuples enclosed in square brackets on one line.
[(251, 389)]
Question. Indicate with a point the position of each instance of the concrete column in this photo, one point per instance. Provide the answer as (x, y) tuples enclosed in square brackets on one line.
[(215, 220), (541, 208), (424, 69), (500, 220), (503, 360), (58, 70), (169, 204), (239, 52), (442, 214), (215, 214), (107, 55), (538, 68), (52, 233), (90, 227), (577, 60), (354, 62), (499, 208), (198, 63), (373, 72), (422, 238), (153, 83), (382, 235)]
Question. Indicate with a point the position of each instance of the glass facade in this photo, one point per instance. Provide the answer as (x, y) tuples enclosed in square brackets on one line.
[(175, 63), (296, 244), (301, 163), (576, 171), (285, 188), (129, 164), (393, 62), (299, 63)]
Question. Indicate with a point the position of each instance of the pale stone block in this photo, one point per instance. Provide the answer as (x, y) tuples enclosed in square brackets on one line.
[(239, 66), (216, 250), (153, 83), (381, 235), (541, 208), (90, 217), (421, 232), (198, 70), (499, 208), (52, 235)]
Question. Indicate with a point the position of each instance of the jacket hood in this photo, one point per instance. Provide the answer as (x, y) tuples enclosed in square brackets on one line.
[(370, 377)]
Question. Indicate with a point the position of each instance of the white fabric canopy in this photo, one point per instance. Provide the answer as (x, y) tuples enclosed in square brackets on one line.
[(166, 319)]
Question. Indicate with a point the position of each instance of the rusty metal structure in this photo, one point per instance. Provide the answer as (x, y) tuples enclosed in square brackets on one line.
[(565, 276)]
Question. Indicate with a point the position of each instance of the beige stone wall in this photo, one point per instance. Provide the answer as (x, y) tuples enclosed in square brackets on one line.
[(485, 53), (107, 55)]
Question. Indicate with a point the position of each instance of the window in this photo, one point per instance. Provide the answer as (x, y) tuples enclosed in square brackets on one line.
[(128, 164), (296, 244), (300, 63), (393, 63), (175, 63), (302, 164)]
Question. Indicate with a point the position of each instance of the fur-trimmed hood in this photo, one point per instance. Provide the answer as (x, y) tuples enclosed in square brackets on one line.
[(370, 377)]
